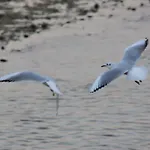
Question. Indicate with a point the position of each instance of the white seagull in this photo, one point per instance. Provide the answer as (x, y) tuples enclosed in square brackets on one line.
[(125, 66), (141, 71), (31, 76)]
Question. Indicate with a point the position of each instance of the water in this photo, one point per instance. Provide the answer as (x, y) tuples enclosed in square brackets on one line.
[(116, 117)]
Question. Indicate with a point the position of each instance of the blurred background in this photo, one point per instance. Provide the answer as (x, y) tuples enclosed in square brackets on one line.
[(69, 40)]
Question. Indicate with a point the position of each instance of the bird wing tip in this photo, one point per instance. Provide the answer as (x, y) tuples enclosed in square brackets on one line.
[(92, 90)]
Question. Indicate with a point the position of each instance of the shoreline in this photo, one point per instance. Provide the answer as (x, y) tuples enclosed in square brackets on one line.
[(34, 21)]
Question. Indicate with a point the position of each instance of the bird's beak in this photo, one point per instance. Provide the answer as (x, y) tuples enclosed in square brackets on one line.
[(104, 65)]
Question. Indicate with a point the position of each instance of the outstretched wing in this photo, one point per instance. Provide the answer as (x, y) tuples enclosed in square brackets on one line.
[(106, 78), (27, 75), (56, 90), (137, 73), (21, 76), (133, 52), (53, 86)]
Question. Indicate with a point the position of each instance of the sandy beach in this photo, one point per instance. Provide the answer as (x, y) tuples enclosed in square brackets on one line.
[(114, 118)]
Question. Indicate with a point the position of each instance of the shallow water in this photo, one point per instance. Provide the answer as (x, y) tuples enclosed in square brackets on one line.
[(116, 117)]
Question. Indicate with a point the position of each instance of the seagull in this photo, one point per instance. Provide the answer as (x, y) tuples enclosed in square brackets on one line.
[(125, 66), (142, 71), (31, 76)]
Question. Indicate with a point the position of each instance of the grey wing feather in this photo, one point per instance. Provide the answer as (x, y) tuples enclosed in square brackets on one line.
[(106, 78), (20, 76), (133, 52), (27, 75)]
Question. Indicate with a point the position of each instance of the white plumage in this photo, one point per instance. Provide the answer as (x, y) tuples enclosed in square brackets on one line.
[(31, 76), (125, 66)]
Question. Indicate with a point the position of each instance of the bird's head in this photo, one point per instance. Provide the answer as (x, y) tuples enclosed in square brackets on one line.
[(109, 65)]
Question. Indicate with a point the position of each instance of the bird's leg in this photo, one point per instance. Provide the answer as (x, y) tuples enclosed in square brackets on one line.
[(138, 82), (126, 73), (57, 101), (57, 104)]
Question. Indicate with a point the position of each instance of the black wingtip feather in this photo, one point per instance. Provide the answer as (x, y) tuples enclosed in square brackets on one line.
[(98, 88), (6, 81)]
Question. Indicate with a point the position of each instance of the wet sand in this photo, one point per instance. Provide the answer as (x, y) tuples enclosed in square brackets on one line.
[(114, 118)]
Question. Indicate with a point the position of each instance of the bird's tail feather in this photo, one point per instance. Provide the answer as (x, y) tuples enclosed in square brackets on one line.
[(137, 73)]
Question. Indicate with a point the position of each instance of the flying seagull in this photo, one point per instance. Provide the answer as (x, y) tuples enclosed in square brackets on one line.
[(142, 71), (125, 66), (31, 76)]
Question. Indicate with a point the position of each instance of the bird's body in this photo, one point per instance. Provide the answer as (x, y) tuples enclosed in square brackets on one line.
[(31, 76), (111, 65), (125, 66)]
